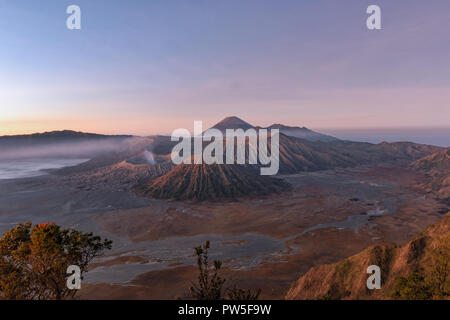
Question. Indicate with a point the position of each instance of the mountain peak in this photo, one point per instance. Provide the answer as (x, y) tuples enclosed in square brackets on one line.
[(232, 122)]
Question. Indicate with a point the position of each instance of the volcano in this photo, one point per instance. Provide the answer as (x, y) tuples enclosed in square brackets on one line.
[(232, 123), (209, 182), (144, 164), (220, 181), (297, 132)]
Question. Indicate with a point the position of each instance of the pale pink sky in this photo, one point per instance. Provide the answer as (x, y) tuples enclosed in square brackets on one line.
[(151, 67)]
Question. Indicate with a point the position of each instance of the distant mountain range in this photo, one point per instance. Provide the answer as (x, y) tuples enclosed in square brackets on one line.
[(207, 182), (59, 144), (54, 137), (298, 132), (122, 161)]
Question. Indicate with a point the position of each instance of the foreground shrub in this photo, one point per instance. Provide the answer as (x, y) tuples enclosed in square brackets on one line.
[(34, 260), (210, 285)]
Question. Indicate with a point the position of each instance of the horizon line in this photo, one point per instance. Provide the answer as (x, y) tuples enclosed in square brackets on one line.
[(112, 133)]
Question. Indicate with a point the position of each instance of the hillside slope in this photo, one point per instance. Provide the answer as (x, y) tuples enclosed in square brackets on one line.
[(302, 155), (418, 270)]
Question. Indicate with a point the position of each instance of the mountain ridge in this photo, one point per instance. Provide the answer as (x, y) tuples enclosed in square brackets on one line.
[(234, 122), (407, 272), (61, 133), (296, 155)]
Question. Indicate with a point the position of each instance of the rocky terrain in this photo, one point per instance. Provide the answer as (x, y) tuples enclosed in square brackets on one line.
[(404, 268), (423, 261), (203, 182), (266, 242), (144, 164), (330, 201)]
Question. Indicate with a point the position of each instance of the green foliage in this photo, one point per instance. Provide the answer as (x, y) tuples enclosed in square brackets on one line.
[(413, 287), (439, 272), (210, 285), (34, 260), (335, 292), (236, 293), (432, 283)]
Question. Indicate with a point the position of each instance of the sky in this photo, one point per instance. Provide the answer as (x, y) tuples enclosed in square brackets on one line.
[(146, 67)]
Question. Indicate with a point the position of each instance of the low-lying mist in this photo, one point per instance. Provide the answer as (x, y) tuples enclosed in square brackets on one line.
[(66, 149)]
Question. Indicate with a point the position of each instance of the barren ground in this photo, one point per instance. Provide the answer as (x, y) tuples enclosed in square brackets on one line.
[(265, 242)]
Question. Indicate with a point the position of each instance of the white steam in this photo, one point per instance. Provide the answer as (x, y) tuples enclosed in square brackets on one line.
[(149, 157)]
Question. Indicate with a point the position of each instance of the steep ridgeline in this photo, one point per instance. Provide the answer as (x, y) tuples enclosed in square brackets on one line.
[(418, 270)]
